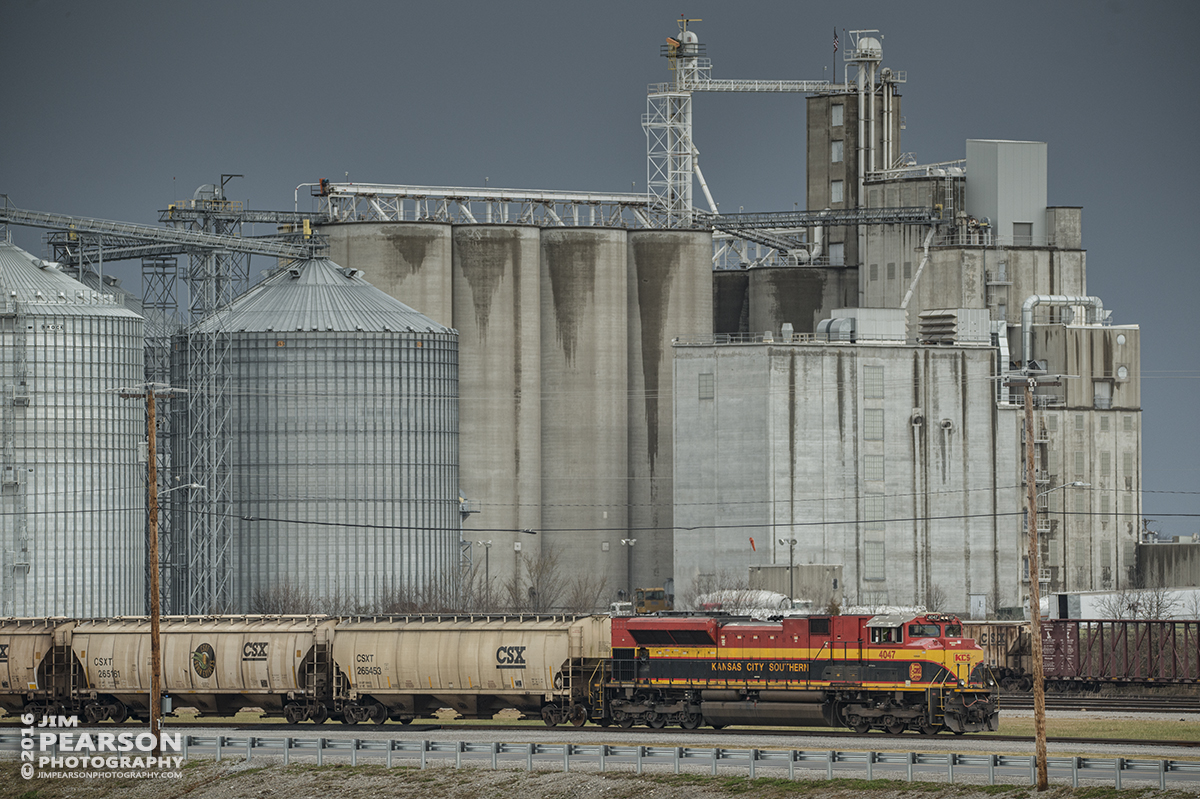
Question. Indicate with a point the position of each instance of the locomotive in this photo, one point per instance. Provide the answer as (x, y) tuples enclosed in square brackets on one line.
[(890, 672)]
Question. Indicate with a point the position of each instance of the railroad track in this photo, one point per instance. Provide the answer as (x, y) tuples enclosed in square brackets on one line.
[(1113, 704)]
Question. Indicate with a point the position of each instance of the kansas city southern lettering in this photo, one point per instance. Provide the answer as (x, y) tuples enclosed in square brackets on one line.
[(724, 667)]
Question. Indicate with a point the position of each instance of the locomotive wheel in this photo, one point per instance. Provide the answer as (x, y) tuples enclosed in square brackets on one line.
[(606, 721), (928, 728), (691, 722), (655, 721), (862, 727), (626, 722), (377, 714), (577, 715), (895, 729)]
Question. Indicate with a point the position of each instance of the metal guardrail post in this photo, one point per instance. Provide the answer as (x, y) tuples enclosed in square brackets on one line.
[(640, 751), (1033, 769), (529, 759), (991, 769), (320, 751), (950, 767), (496, 754), (354, 751), (1120, 764), (249, 746), (911, 758), (828, 765), (391, 746), (186, 740), (603, 752), (1162, 775), (870, 766), (220, 741), (792, 764), (716, 754), (424, 749), (1075, 772), (458, 750), (566, 758), (678, 757), (752, 758)]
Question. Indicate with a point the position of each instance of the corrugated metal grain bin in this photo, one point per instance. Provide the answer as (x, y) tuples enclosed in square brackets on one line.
[(478, 666), (344, 458), (72, 479)]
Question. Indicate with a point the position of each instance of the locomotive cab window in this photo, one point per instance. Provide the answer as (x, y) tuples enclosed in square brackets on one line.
[(954, 631), (887, 635), (923, 631)]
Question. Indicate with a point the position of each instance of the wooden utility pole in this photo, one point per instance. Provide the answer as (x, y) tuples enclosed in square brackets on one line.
[(155, 604), (1035, 599)]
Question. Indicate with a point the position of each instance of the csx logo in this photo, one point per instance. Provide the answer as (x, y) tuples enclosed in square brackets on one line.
[(510, 657), (3, 653), (254, 650)]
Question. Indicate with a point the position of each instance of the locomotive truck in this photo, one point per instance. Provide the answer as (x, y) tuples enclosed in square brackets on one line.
[(891, 672)]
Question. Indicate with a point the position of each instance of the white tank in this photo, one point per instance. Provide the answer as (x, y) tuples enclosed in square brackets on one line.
[(73, 477)]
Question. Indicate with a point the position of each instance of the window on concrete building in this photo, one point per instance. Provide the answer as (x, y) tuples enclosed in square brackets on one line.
[(873, 424), (707, 385), (835, 152), (1079, 464), (873, 512), (1128, 501), (873, 560), (874, 271), (1023, 234), (1104, 423), (873, 382), (1052, 550), (1128, 424), (1081, 501), (891, 271), (1052, 422), (873, 467), (908, 271), (1079, 422), (1105, 505), (1105, 464), (837, 191), (836, 115), (837, 254), (1127, 463)]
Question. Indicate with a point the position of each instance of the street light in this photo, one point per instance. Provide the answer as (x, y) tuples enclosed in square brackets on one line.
[(791, 545), (629, 542), (487, 573)]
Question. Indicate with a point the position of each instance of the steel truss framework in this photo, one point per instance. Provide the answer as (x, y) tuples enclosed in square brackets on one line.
[(373, 202)]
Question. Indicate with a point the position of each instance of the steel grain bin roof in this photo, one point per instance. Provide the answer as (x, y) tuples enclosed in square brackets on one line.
[(317, 295)]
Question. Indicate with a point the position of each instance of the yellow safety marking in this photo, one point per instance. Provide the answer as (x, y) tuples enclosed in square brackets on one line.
[(389, 679)]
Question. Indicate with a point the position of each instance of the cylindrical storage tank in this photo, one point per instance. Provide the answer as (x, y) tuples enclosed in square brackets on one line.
[(497, 312), (585, 390), (731, 302), (344, 458), (670, 296), (73, 476), (409, 261), (798, 294)]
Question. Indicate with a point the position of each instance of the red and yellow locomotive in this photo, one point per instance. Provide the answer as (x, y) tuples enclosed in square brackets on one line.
[(891, 672)]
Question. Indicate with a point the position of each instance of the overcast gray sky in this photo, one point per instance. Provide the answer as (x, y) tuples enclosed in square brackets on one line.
[(115, 109)]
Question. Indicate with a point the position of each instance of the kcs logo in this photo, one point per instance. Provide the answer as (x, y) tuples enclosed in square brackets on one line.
[(510, 657)]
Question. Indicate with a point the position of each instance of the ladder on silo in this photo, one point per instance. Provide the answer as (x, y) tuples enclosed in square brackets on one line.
[(12, 485)]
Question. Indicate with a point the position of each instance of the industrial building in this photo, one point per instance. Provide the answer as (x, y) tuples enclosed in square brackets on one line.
[(652, 393)]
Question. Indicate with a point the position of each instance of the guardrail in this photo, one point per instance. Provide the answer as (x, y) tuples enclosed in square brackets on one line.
[(1006, 768)]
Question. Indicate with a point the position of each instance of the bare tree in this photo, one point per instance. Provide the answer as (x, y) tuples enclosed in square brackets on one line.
[(284, 598), (708, 584), (935, 599), (537, 584), (1191, 606), (584, 592), (1153, 601)]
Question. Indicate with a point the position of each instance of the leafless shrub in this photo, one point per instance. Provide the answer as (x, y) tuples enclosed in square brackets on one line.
[(708, 584), (537, 584), (1140, 602), (284, 598), (583, 593), (935, 599)]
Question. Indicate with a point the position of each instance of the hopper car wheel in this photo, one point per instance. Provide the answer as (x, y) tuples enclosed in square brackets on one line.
[(377, 714), (959, 732), (406, 721), (292, 713), (118, 713), (655, 721), (690, 721), (94, 714), (320, 715), (550, 716), (346, 719), (578, 715), (718, 726)]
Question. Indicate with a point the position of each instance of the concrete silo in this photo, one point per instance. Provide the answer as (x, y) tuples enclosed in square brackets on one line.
[(410, 261), (73, 479), (670, 296), (497, 313), (344, 459), (585, 399), (800, 295)]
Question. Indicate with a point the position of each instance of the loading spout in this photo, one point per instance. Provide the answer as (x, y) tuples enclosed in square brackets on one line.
[(1094, 315)]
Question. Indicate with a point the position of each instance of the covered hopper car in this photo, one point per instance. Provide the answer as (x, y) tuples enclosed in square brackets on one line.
[(895, 673)]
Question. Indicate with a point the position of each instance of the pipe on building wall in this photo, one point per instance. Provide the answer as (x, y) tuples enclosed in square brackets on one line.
[(917, 276), (1034, 300)]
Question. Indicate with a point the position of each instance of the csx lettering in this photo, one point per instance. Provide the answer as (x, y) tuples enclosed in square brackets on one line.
[(3, 653), (511, 655), (254, 650), (101, 661), (365, 658)]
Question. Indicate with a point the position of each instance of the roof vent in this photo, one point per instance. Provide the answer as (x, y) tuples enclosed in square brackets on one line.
[(294, 272), (350, 272)]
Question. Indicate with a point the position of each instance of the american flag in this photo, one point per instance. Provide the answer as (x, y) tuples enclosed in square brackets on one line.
[(835, 40)]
